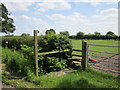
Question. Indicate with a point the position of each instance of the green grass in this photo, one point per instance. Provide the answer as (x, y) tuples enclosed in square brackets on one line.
[(76, 79), (77, 44)]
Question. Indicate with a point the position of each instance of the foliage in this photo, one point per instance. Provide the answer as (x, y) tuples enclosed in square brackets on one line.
[(25, 34), (97, 33), (96, 36), (49, 64), (80, 35), (28, 53), (65, 33), (7, 25), (15, 61), (54, 43), (9, 35), (15, 42), (110, 33), (46, 63), (72, 37), (50, 32), (45, 43)]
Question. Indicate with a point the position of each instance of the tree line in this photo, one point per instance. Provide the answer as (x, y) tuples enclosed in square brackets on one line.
[(80, 35), (96, 35)]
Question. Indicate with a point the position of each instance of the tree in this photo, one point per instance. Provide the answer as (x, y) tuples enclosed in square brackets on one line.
[(50, 32), (25, 34), (80, 35), (6, 26), (97, 33), (110, 33), (66, 33)]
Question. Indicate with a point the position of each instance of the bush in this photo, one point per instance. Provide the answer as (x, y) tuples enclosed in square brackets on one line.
[(15, 61), (48, 64), (54, 43)]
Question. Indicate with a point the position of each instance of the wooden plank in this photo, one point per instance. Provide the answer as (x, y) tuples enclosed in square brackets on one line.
[(77, 50), (76, 55), (53, 52), (36, 51)]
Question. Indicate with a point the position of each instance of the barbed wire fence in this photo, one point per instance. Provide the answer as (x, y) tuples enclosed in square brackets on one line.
[(107, 58)]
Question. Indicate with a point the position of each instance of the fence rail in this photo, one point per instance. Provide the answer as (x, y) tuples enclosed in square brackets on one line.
[(103, 45), (76, 50), (53, 52), (103, 57), (100, 66), (108, 70), (104, 52), (76, 55)]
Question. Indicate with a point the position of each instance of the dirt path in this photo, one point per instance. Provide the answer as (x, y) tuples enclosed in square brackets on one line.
[(60, 73), (2, 69)]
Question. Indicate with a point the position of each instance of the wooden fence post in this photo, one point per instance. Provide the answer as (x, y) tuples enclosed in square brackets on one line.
[(84, 55), (36, 52)]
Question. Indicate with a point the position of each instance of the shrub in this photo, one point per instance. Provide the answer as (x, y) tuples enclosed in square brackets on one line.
[(54, 43), (15, 61), (48, 64)]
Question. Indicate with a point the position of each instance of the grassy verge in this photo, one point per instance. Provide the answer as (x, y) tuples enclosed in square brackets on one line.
[(77, 79)]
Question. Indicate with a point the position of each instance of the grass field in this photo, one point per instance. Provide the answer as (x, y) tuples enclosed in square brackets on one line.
[(77, 44)]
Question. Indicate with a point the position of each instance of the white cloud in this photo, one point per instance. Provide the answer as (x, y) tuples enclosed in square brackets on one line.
[(42, 5), (17, 6), (105, 20), (72, 23), (28, 24), (107, 14), (96, 2), (70, 20), (21, 1), (54, 5), (111, 10)]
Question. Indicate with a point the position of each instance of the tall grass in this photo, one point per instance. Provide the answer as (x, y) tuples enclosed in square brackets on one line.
[(15, 62)]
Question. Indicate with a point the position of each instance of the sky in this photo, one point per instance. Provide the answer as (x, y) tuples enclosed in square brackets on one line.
[(87, 16)]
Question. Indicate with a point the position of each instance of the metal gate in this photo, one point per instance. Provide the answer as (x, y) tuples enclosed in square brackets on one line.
[(104, 58)]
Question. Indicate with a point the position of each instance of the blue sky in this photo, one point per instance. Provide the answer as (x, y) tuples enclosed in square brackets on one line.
[(85, 15)]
